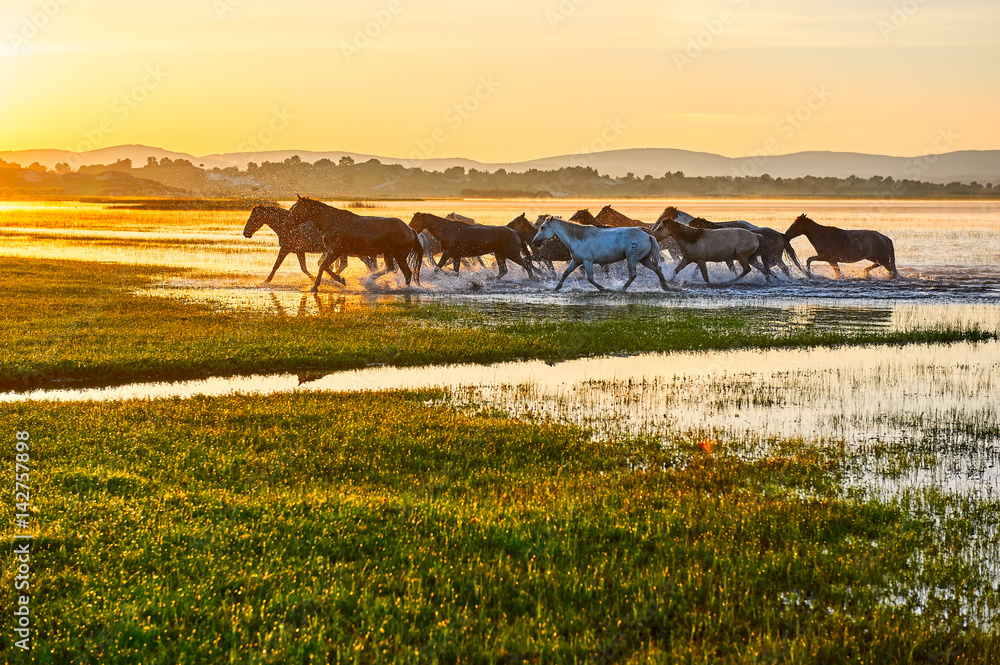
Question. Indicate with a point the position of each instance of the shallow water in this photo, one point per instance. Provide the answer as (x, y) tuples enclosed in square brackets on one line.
[(921, 415)]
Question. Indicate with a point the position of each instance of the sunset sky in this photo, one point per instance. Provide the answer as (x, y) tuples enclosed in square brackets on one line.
[(501, 81)]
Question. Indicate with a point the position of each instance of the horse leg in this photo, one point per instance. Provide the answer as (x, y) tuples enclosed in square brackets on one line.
[(784, 268), (704, 271), (631, 274), (681, 266), (324, 265), (874, 265), (572, 266), (653, 264), (302, 264), (836, 269), (404, 267), (524, 262), (589, 267), (501, 263), (456, 263), (745, 262), (809, 264), (732, 267), (281, 257)]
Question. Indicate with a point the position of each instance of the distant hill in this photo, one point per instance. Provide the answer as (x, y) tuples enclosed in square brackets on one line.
[(16, 182), (965, 166)]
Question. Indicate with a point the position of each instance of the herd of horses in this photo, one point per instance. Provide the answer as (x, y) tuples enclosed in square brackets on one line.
[(583, 240)]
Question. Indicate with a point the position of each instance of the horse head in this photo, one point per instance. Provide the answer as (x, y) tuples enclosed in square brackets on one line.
[(799, 226), (546, 231), (258, 218), (418, 223), (668, 214)]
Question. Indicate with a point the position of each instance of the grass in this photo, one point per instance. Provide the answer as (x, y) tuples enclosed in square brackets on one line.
[(396, 528), (81, 322)]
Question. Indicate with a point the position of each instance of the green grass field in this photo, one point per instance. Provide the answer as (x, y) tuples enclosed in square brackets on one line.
[(400, 527), (395, 528)]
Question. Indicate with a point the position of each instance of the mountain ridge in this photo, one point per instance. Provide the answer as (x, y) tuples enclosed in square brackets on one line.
[(957, 166)]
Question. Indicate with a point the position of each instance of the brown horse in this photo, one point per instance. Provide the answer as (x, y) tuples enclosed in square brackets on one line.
[(586, 219), (459, 240), (354, 235), (835, 246), (775, 243), (722, 245), (302, 240)]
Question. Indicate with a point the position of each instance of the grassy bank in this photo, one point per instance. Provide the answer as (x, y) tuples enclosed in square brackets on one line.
[(392, 527), (83, 323)]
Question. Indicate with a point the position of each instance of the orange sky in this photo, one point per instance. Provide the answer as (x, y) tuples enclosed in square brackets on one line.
[(500, 81)]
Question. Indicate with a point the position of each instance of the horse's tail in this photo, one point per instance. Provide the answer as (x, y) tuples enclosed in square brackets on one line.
[(416, 257), (892, 258), (791, 254), (655, 249), (524, 247), (759, 258)]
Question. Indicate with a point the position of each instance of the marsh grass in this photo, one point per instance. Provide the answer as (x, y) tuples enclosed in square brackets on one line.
[(397, 528), (84, 323)]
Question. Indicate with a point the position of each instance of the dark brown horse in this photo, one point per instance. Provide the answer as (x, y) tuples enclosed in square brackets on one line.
[(775, 243), (302, 240), (432, 245), (354, 235), (835, 246), (459, 240), (585, 218)]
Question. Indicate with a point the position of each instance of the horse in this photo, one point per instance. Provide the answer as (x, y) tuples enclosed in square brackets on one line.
[(703, 245), (459, 240), (585, 218), (302, 240), (609, 217), (345, 232), (775, 243), (835, 246), (589, 245)]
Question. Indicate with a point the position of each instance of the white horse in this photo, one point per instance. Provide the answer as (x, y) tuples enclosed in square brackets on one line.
[(723, 245), (589, 245)]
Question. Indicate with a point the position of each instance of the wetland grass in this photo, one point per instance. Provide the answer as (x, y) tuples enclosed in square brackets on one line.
[(83, 322), (396, 527)]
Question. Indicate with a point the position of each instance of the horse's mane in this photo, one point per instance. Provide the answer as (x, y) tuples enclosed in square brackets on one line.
[(686, 233), (701, 222), (668, 213), (575, 231)]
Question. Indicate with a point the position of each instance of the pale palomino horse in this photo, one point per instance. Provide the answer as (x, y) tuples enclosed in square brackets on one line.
[(775, 243), (701, 246), (589, 245)]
